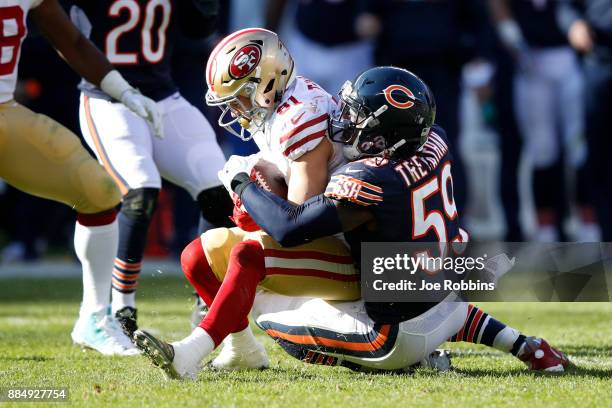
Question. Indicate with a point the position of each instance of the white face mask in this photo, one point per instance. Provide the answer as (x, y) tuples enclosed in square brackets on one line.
[(251, 119)]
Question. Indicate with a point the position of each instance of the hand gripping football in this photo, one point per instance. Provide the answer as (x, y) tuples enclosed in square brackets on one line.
[(267, 175)]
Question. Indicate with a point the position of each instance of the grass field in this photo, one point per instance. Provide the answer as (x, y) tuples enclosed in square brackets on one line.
[(36, 317)]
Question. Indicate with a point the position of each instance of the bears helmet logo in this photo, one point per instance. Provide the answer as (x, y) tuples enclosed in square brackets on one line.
[(407, 97)]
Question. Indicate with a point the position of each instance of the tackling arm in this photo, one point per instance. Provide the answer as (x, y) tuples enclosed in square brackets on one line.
[(308, 174), (292, 225)]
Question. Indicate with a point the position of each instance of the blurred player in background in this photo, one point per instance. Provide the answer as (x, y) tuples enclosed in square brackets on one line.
[(41, 157), (588, 26), (323, 38), (137, 37), (433, 39), (547, 77)]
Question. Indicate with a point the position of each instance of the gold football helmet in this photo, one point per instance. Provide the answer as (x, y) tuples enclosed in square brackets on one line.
[(247, 74)]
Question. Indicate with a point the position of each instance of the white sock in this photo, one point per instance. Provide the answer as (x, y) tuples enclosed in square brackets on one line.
[(505, 339), (242, 340), (192, 349), (121, 300), (96, 248)]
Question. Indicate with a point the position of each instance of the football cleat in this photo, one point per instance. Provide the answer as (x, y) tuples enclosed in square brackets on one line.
[(127, 316), (163, 355), (540, 356), (231, 358), (103, 335)]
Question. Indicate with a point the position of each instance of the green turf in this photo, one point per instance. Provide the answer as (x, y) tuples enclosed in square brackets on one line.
[(35, 350)]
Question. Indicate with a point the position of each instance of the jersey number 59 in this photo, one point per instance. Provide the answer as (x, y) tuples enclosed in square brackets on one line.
[(435, 220), (151, 53)]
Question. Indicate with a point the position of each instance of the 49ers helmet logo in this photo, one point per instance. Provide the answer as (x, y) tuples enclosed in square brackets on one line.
[(407, 98), (245, 61)]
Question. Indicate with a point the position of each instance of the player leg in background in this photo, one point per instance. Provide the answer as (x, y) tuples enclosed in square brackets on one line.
[(535, 94), (122, 143), (41, 157), (225, 267), (480, 328), (570, 86)]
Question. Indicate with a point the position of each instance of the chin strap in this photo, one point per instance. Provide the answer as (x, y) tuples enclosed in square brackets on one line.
[(391, 151)]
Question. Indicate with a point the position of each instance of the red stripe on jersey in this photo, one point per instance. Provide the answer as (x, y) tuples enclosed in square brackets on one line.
[(319, 256), (312, 272), (303, 126), (303, 141)]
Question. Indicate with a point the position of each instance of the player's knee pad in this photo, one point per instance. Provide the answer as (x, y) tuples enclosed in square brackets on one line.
[(249, 252), (139, 204), (216, 206)]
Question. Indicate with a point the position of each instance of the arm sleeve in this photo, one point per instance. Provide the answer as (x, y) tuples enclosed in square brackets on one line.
[(288, 224), (568, 11), (198, 18)]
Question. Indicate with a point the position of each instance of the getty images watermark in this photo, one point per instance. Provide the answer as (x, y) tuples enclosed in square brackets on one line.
[(411, 272)]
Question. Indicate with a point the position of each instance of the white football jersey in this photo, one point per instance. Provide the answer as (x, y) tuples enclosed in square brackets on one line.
[(298, 125), (13, 14)]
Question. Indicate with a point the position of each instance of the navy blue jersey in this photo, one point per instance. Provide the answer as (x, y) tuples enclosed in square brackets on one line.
[(137, 37), (411, 200), (537, 19), (427, 30), (328, 22)]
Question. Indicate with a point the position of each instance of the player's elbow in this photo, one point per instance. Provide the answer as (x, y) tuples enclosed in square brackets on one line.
[(286, 235)]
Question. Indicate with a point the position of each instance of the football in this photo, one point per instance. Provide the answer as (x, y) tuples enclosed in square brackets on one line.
[(267, 175)]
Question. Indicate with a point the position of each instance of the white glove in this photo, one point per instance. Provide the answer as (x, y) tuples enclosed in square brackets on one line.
[(114, 85), (144, 107), (236, 164)]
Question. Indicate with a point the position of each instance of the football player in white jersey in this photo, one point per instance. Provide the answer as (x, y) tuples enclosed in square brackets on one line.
[(42, 158), (188, 155), (252, 77)]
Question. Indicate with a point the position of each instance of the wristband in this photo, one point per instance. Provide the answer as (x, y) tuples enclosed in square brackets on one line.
[(240, 182), (114, 85)]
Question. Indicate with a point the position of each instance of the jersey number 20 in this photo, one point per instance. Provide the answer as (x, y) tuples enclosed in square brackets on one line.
[(150, 53)]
